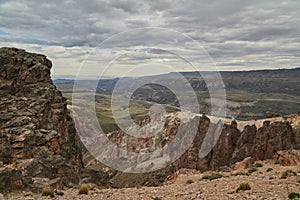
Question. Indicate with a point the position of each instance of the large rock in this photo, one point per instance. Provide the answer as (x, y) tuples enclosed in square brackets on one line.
[(290, 157), (37, 134)]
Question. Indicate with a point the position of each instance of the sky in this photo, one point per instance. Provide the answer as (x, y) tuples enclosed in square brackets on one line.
[(114, 37)]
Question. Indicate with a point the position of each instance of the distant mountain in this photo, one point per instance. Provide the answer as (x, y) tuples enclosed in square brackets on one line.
[(250, 94), (60, 81)]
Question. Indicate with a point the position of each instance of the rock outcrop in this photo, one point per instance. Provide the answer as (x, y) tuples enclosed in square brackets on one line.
[(38, 140), (232, 146)]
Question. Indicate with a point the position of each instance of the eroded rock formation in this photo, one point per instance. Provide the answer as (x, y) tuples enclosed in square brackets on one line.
[(232, 146)]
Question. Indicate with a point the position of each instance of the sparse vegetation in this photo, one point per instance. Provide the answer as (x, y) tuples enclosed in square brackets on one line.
[(294, 195), (205, 176), (269, 169), (156, 198), (138, 187), (251, 170), (257, 165), (212, 176), (84, 189), (215, 176), (276, 161), (189, 181), (287, 173), (47, 192), (243, 186)]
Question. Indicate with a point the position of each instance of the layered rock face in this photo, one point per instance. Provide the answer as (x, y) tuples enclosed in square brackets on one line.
[(38, 140)]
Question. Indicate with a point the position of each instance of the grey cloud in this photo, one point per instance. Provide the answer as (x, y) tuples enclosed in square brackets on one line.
[(231, 29)]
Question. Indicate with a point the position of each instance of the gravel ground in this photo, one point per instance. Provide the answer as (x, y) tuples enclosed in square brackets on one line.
[(264, 185)]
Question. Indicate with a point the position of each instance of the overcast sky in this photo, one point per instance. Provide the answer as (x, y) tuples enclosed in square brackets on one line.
[(237, 34)]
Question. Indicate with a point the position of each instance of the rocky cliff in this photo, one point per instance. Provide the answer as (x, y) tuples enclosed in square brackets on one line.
[(38, 141), (234, 144)]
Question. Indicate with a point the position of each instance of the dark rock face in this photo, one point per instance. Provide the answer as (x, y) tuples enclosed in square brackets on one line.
[(37, 135)]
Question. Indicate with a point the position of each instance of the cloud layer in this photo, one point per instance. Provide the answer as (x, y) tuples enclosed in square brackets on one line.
[(237, 34)]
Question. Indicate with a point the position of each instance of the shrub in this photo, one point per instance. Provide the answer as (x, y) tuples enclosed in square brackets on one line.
[(239, 174), (252, 169), (269, 169), (156, 198), (258, 165), (84, 189), (138, 187), (287, 173), (47, 192), (189, 181), (276, 161), (215, 176), (205, 176), (243, 186), (212, 176), (293, 195)]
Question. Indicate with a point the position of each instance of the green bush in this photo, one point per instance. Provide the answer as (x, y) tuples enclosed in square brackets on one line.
[(189, 181), (293, 195), (47, 192), (258, 165), (251, 170), (215, 176), (243, 186), (269, 169), (156, 198), (212, 176), (84, 189), (276, 161), (205, 176)]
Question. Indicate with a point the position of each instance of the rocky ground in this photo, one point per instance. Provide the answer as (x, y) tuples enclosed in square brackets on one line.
[(188, 184)]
